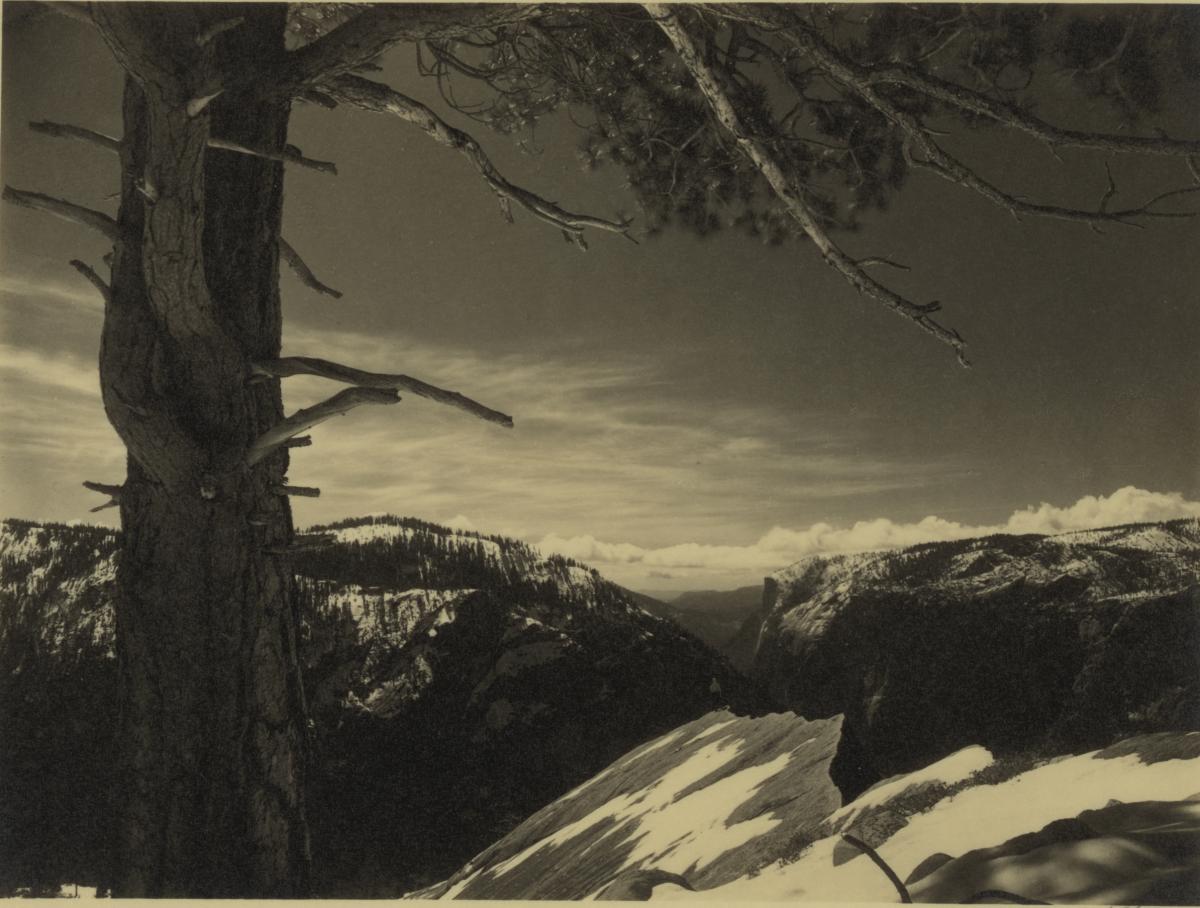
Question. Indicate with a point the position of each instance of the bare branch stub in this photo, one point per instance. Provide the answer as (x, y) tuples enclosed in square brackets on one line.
[(113, 492), (95, 279), (305, 365), (379, 98), (104, 488), (287, 156), (69, 211), (69, 131), (297, 264), (298, 441), (342, 402)]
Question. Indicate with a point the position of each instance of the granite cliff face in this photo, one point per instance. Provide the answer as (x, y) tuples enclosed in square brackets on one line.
[(456, 684), (1063, 642)]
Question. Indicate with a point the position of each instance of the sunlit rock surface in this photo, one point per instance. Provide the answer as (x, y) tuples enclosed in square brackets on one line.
[(697, 803), (732, 810)]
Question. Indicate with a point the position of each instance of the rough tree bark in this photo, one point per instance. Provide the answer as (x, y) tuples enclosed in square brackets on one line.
[(213, 721)]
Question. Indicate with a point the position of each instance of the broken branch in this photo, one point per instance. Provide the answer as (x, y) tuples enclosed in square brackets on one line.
[(97, 220), (67, 131), (113, 493), (300, 441), (287, 366), (378, 98), (95, 279), (292, 257), (341, 402), (287, 156)]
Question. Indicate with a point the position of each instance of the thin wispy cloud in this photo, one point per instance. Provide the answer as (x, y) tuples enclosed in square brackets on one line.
[(14, 289), (608, 446)]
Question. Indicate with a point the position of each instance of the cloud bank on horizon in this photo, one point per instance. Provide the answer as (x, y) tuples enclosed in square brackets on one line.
[(781, 546)]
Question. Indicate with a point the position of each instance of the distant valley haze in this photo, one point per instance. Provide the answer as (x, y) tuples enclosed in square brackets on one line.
[(690, 413)]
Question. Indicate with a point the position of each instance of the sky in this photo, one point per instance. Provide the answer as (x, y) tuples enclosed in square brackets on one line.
[(690, 413)]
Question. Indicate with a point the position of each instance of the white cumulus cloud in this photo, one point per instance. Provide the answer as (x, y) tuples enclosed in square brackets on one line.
[(781, 546)]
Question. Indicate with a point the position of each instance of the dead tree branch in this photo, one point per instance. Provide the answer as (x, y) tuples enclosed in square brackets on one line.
[(69, 211), (113, 493), (95, 279), (378, 98), (760, 153), (304, 365), (286, 156), (340, 403), (292, 257), (67, 131), (299, 441), (882, 865)]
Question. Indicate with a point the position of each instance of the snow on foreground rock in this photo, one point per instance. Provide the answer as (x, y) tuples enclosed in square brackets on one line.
[(730, 809), (696, 800)]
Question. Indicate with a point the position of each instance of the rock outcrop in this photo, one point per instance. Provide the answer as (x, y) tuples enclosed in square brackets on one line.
[(691, 808), (731, 810)]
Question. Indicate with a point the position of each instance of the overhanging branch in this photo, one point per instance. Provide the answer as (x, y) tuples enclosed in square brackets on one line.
[(378, 27), (378, 98), (763, 157), (305, 365), (859, 80), (342, 402)]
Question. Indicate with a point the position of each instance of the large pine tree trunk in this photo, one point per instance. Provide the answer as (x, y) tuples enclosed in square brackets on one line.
[(213, 723)]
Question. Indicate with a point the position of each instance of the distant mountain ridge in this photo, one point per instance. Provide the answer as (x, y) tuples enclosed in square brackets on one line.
[(459, 682), (1069, 641)]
